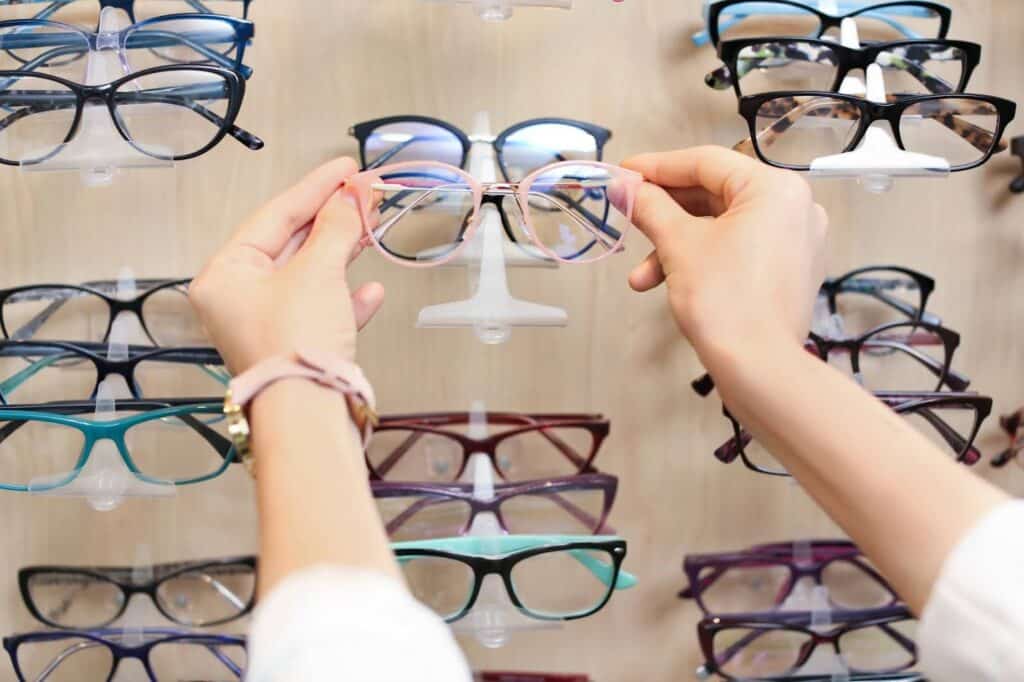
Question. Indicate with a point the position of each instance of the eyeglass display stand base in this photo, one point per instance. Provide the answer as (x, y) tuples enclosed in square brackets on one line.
[(491, 311), (98, 151), (878, 161), (500, 10), (494, 619), (105, 481)]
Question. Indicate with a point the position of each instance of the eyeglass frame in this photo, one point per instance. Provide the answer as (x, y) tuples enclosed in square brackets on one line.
[(243, 28), (97, 354), (1011, 425), (362, 132), (498, 555), (115, 306), (119, 652), (114, 430), (124, 578), (849, 59), (832, 287), (841, 622), (901, 402), (869, 114), (463, 492), (826, 20), (428, 423), (127, 6), (362, 188), (106, 93), (819, 555)]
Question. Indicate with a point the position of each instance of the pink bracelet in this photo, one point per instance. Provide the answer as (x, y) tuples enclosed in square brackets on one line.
[(325, 369)]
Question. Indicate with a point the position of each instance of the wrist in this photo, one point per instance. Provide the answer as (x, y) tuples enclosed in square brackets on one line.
[(742, 359)]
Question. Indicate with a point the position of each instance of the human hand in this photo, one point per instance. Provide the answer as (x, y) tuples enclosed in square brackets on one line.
[(740, 245), (259, 297)]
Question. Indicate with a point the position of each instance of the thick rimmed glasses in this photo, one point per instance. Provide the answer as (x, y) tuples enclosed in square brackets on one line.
[(951, 421), (889, 358), (437, 447), (86, 312), (62, 49), (572, 505), (165, 654), (422, 214), (759, 645), (86, 12), (520, 149), (758, 65), (548, 577), (762, 578), (46, 371), (171, 113), (793, 128), (876, 20), (872, 296), (160, 442), (189, 593)]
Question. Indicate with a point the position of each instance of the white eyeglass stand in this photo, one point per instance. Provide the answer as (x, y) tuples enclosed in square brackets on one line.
[(494, 619), (492, 311), (98, 151), (500, 10), (105, 481), (878, 161)]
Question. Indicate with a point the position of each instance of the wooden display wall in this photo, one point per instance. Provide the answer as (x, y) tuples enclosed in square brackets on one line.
[(322, 65)]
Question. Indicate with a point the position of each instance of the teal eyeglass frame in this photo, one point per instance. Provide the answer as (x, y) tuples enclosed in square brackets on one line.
[(499, 554), (93, 432)]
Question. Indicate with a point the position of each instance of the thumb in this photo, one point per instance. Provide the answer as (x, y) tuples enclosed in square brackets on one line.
[(336, 233)]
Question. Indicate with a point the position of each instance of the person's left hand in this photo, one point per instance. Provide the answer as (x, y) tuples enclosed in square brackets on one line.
[(265, 294)]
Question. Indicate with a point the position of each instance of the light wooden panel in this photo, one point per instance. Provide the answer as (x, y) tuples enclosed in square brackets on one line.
[(322, 65)]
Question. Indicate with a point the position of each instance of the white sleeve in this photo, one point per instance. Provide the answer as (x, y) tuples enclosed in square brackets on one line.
[(335, 624), (973, 623)]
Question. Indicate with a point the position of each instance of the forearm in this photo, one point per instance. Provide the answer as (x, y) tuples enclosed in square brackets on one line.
[(899, 498), (314, 501)]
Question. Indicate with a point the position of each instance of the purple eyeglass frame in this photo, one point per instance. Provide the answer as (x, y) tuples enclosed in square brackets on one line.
[(801, 622), (436, 493), (433, 423), (802, 560)]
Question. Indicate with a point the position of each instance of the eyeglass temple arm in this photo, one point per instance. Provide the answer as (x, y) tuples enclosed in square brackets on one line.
[(978, 137), (567, 450), (907, 309), (692, 590), (604, 571), (592, 223), (149, 39), (723, 657), (391, 460), (63, 656), (950, 435), (953, 379), (11, 383), (580, 514)]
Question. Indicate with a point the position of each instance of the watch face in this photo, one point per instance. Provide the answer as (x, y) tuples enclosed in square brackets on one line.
[(238, 430)]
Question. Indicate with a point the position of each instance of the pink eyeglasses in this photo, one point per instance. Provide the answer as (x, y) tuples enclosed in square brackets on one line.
[(421, 213)]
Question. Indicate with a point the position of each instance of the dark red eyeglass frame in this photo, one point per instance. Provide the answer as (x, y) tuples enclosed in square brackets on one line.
[(431, 493), (434, 423), (802, 559)]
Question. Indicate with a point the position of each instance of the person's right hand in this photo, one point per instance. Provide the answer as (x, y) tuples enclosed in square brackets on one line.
[(740, 245)]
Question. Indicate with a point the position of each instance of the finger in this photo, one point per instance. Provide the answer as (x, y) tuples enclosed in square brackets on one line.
[(366, 301), (720, 171), (697, 201), (273, 225), (648, 274), (660, 218), (335, 234)]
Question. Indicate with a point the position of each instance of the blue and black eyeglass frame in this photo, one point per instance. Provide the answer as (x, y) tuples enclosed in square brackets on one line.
[(49, 8)]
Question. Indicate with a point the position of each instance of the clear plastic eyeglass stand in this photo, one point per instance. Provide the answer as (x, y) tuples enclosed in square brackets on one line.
[(105, 481), (98, 151), (500, 10), (494, 619), (492, 311), (878, 161)]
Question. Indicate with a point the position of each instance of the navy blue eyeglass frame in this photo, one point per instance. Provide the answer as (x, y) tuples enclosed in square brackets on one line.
[(99, 289), (362, 132), (140, 652), (77, 95), (127, 5), (42, 354), (18, 35)]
